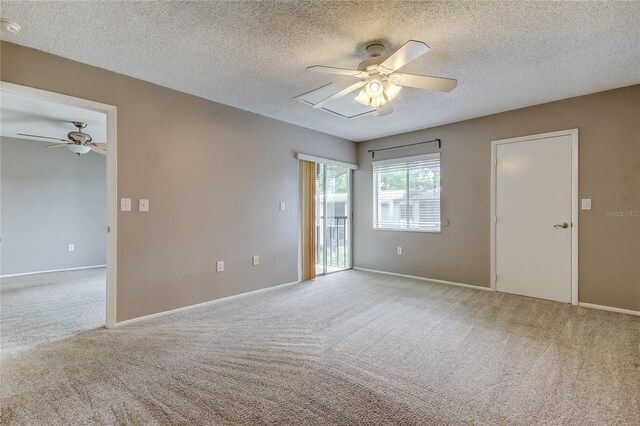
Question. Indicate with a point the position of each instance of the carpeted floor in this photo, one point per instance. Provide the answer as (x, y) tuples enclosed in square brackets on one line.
[(41, 308), (350, 348)]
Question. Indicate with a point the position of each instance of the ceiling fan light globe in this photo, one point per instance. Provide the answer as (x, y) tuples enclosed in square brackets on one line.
[(363, 98), (391, 91), (79, 149), (374, 88), (378, 101)]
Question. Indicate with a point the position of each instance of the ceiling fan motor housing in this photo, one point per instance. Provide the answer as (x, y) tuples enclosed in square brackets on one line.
[(79, 137), (375, 50), (376, 57)]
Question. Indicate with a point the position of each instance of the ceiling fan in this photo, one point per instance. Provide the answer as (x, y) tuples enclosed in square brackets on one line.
[(379, 83), (78, 142)]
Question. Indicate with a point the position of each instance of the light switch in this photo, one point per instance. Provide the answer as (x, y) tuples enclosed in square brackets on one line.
[(125, 204), (256, 260), (283, 205), (143, 205), (71, 247), (586, 204), (220, 266)]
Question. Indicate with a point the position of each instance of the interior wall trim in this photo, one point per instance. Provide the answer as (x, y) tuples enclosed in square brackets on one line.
[(203, 304), (475, 287), (609, 309), (327, 161), (52, 270)]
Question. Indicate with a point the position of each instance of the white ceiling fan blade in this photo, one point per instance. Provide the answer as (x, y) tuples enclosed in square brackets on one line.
[(340, 94), (426, 82), (99, 150), (385, 109), (339, 71), (407, 53), (56, 145), (43, 137)]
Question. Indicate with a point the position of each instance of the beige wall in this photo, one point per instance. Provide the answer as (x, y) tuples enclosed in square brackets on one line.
[(609, 248), (50, 198), (214, 176)]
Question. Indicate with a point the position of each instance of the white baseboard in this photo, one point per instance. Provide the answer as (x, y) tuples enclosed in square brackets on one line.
[(52, 270), (475, 287), (200, 305), (582, 304), (609, 308)]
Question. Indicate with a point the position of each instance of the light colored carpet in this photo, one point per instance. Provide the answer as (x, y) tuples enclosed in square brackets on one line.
[(350, 348), (41, 308)]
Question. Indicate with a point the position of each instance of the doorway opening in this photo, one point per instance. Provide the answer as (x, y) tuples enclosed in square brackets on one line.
[(326, 213), (58, 216)]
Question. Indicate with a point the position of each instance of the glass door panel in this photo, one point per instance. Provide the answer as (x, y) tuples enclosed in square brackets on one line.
[(333, 218)]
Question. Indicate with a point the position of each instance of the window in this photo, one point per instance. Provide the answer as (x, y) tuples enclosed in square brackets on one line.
[(406, 194)]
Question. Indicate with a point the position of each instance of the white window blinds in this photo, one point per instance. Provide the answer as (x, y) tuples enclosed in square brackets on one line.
[(406, 194)]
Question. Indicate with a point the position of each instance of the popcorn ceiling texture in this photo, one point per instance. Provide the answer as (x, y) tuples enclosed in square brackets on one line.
[(253, 55)]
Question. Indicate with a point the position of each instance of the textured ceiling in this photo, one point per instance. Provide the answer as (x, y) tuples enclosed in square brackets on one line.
[(28, 114), (253, 55)]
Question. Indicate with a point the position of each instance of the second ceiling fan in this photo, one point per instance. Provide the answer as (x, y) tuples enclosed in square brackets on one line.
[(379, 83), (78, 141)]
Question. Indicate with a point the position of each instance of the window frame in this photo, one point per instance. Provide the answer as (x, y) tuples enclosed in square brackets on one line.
[(375, 191)]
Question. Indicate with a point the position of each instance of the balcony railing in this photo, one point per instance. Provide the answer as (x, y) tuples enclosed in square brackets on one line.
[(336, 240)]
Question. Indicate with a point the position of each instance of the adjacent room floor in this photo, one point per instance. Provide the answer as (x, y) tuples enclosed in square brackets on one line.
[(44, 308), (349, 348)]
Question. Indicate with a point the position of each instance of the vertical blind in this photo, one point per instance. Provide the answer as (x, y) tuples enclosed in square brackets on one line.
[(308, 219), (406, 194)]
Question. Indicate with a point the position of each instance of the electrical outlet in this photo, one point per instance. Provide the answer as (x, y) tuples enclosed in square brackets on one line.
[(71, 247), (220, 266), (256, 260), (143, 205), (283, 206), (399, 251)]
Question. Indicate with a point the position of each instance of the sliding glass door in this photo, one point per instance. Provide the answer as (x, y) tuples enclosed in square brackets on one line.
[(333, 218)]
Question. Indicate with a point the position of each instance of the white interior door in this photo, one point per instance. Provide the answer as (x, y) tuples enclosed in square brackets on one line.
[(534, 210)]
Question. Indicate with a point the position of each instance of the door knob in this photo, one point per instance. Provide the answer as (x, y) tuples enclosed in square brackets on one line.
[(561, 225)]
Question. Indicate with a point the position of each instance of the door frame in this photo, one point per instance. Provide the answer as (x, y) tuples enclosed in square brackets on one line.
[(112, 180), (314, 159), (573, 133)]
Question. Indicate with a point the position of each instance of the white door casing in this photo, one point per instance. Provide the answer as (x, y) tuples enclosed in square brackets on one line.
[(534, 194), (112, 181)]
